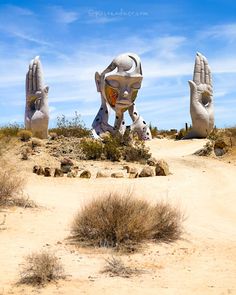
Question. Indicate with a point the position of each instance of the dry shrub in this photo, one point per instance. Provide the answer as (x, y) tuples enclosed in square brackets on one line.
[(115, 267), (41, 268), (114, 220), (24, 135), (11, 185), (167, 222), (123, 222)]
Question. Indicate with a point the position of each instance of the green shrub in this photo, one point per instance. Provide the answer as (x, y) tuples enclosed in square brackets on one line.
[(24, 135), (71, 128), (136, 152), (91, 148), (112, 148), (10, 130)]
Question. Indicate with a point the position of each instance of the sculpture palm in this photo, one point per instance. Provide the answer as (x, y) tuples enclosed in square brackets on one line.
[(201, 99), (36, 111)]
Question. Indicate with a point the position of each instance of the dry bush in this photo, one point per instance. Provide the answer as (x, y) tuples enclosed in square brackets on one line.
[(112, 147), (154, 131), (115, 267), (41, 268), (113, 220), (11, 185), (123, 222), (167, 222), (24, 135)]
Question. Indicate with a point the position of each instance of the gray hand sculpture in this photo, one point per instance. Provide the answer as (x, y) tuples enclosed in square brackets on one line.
[(36, 110), (201, 99), (118, 85)]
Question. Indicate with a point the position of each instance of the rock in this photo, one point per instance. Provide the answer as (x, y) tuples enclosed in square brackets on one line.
[(147, 172), (35, 169), (220, 147), (117, 175), (152, 161), (47, 172), (133, 173), (85, 174), (58, 173), (72, 174), (66, 165), (101, 174), (162, 168), (205, 151), (38, 170), (127, 168)]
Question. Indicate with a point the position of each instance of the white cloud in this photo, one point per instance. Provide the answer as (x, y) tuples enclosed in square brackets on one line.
[(64, 16)]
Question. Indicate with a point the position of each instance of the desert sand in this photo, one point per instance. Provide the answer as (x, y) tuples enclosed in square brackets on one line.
[(202, 262)]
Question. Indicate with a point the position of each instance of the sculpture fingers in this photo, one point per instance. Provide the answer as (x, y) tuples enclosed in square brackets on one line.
[(31, 76), (206, 67), (34, 76), (202, 75), (210, 77), (39, 75), (27, 84), (197, 70)]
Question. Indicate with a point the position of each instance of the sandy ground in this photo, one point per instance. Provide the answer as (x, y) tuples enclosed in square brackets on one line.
[(204, 262)]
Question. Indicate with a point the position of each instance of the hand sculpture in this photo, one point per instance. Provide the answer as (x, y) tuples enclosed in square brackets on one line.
[(36, 110), (201, 99), (118, 92)]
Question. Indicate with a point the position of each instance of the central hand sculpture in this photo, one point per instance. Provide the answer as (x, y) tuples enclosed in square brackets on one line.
[(118, 92), (36, 110), (201, 99)]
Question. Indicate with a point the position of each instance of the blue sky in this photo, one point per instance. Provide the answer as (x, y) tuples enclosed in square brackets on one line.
[(76, 38)]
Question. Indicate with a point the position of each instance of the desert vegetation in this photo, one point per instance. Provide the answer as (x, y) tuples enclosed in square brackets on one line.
[(115, 267), (70, 127), (123, 222), (40, 268)]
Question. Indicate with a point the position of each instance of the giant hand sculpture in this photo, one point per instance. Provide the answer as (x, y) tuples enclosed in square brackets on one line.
[(36, 110), (118, 92), (201, 99)]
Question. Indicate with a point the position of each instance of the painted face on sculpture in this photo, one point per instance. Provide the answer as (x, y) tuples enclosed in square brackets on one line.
[(121, 90)]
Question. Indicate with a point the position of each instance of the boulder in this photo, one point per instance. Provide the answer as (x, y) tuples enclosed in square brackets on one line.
[(38, 170), (127, 168), (162, 168), (147, 171), (220, 147), (117, 175), (85, 174)]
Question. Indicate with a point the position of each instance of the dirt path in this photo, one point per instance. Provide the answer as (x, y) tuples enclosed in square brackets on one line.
[(203, 263)]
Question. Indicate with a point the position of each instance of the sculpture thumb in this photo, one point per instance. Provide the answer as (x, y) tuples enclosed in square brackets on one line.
[(193, 87), (46, 89)]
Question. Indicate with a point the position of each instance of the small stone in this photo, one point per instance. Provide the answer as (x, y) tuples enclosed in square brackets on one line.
[(147, 172), (133, 173), (152, 161), (40, 170), (72, 174), (85, 174), (162, 168), (102, 174), (47, 172), (58, 173), (117, 175), (127, 168), (66, 165)]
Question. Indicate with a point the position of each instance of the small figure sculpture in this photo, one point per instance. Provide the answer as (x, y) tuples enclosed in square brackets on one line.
[(36, 110), (201, 99), (118, 92)]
